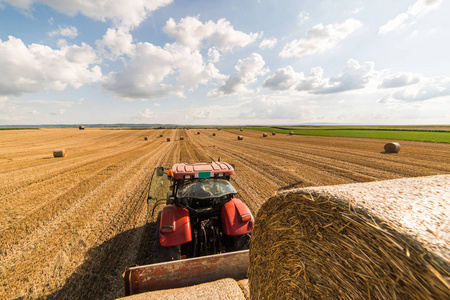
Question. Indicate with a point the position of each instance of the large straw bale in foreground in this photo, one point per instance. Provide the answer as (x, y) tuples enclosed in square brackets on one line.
[(226, 289), (378, 240)]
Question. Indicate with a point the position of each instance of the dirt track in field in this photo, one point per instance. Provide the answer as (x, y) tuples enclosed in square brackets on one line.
[(70, 225)]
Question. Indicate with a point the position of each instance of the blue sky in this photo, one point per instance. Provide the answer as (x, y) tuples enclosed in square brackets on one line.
[(227, 62)]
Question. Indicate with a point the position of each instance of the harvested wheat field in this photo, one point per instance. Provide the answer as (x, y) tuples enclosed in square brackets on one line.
[(71, 224)]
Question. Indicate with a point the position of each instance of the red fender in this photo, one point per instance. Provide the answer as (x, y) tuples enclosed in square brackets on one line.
[(236, 218), (175, 226)]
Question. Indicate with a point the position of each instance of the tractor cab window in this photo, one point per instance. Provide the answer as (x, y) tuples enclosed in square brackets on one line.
[(205, 188)]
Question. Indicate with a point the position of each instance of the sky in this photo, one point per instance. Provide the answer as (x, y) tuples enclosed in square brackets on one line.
[(230, 62)]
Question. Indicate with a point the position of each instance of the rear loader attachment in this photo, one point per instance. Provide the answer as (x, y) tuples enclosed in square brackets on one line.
[(185, 272)]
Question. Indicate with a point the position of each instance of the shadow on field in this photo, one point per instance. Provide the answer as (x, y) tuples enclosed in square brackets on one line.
[(100, 276)]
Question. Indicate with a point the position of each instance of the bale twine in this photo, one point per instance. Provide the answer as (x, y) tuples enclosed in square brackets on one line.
[(181, 138), (59, 153), (240, 137), (168, 139), (392, 147), (291, 133), (353, 242), (221, 289), (264, 134), (213, 134), (81, 127), (273, 133)]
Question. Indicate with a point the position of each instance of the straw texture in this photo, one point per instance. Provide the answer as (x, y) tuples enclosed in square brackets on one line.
[(224, 289), (379, 240)]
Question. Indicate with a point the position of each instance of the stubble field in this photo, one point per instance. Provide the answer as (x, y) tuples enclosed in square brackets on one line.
[(70, 225)]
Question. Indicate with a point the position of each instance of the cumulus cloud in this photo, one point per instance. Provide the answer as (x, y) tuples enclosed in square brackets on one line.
[(303, 17), (121, 12), (426, 89), (194, 34), (146, 114), (283, 79), (399, 79), (154, 72), (202, 114), (248, 69), (419, 8), (115, 43), (70, 32), (268, 43), (213, 54), (354, 76), (37, 67), (320, 39), (265, 108)]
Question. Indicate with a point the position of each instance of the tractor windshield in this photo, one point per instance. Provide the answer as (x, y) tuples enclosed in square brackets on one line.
[(206, 188)]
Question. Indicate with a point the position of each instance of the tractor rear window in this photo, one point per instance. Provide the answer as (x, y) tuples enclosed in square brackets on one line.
[(206, 188)]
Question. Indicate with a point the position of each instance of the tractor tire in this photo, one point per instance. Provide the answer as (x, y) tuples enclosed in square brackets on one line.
[(160, 253)]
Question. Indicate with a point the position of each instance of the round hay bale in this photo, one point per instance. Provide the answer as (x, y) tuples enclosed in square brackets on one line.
[(213, 134), (160, 135), (240, 137), (59, 153), (198, 132), (168, 139), (181, 138), (312, 246), (81, 127), (291, 133), (392, 147), (274, 133), (145, 138), (242, 129), (219, 128), (264, 134)]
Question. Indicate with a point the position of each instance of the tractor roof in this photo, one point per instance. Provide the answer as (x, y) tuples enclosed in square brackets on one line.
[(202, 170)]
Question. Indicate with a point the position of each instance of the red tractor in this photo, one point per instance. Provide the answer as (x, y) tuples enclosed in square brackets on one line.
[(201, 216)]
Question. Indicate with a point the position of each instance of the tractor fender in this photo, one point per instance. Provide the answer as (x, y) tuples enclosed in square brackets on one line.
[(175, 226), (236, 218)]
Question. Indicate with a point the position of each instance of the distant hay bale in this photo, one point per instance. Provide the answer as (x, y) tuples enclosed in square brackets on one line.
[(181, 138), (81, 127), (291, 133), (59, 153), (242, 129), (264, 134), (220, 289), (392, 147), (160, 135), (274, 133), (145, 138), (168, 139), (219, 128), (377, 240), (198, 132), (240, 137)]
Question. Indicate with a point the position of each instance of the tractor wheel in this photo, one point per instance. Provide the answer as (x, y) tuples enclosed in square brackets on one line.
[(160, 253), (242, 242)]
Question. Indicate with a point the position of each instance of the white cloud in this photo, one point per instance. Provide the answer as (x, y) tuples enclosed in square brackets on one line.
[(59, 112), (118, 41), (213, 54), (70, 32), (146, 114), (268, 43), (303, 17), (426, 89), (194, 34), (155, 72), (283, 79), (37, 67), (272, 108), (399, 79), (202, 114), (419, 8), (320, 39), (121, 12), (248, 69)]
